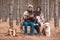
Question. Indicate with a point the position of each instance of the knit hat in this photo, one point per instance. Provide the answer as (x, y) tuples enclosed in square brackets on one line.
[(30, 5)]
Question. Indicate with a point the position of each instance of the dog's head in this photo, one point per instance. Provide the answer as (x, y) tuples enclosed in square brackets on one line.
[(46, 25)]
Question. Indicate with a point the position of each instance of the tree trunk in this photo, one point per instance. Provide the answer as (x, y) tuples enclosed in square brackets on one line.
[(10, 13), (56, 19)]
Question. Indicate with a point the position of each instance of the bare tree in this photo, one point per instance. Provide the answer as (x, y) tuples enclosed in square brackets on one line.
[(0, 9), (10, 13), (56, 19), (17, 14)]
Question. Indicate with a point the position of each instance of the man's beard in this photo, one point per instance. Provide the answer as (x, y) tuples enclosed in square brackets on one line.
[(30, 12)]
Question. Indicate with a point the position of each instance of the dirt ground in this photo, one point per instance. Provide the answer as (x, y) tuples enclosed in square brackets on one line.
[(55, 33)]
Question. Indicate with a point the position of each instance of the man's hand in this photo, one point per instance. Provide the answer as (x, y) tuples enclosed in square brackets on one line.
[(26, 16)]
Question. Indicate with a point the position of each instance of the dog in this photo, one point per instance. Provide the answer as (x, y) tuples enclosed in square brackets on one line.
[(46, 29), (12, 32)]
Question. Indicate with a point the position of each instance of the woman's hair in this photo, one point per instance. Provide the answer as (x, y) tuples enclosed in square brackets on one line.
[(39, 8)]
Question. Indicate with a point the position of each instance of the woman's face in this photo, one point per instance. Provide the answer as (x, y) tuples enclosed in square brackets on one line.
[(38, 10)]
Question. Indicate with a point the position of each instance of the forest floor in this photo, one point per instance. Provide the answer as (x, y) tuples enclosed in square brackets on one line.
[(55, 33)]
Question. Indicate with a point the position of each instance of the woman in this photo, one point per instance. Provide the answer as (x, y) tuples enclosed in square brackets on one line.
[(40, 19)]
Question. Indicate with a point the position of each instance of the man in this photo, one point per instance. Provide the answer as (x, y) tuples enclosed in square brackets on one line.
[(28, 17)]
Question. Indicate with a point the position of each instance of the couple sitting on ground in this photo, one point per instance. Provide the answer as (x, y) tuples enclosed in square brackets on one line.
[(34, 19)]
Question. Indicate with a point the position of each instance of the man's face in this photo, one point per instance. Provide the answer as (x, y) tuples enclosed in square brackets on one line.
[(30, 8)]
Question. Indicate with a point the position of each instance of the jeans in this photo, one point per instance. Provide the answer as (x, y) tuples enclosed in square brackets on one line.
[(26, 24), (37, 28)]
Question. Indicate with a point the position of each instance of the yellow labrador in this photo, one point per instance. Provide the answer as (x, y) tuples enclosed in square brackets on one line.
[(46, 29), (12, 32)]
